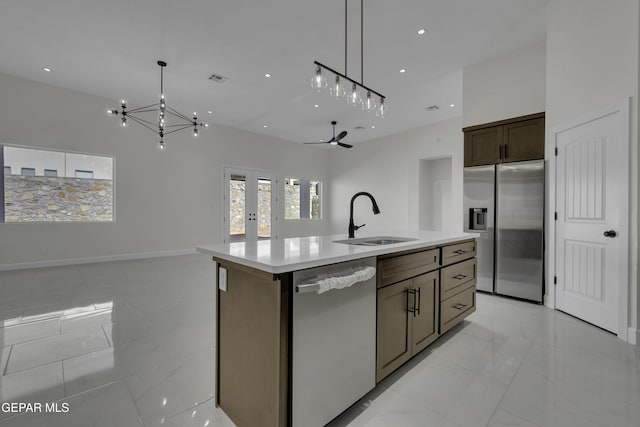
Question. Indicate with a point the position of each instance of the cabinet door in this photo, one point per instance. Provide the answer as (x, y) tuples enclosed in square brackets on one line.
[(425, 318), (483, 146), (393, 328), (524, 141)]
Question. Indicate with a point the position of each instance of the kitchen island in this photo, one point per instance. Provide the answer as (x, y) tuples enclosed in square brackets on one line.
[(288, 355)]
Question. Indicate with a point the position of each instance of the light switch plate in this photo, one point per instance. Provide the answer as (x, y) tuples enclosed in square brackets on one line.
[(222, 279)]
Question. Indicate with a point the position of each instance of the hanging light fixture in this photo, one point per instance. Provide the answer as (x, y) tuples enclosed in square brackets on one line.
[(164, 126), (341, 85)]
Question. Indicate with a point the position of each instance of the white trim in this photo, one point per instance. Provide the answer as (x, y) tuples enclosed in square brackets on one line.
[(102, 258), (634, 336), (623, 108)]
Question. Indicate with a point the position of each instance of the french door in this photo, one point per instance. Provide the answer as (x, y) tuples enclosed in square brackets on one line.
[(250, 205)]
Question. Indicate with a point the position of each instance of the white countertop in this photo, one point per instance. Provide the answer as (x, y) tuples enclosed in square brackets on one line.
[(297, 253)]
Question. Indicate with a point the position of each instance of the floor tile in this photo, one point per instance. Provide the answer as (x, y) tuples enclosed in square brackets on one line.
[(42, 384), (199, 416), (56, 348), (29, 331), (172, 388), (4, 356), (459, 395), (390, 409), (107, 406), (88, 371), (504, 419)]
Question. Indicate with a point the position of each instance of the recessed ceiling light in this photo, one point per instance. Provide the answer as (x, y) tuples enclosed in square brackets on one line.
[(322, 140), (452, 105), (265, 126), (267, 75), (210, 112), (316, 106), (421, 31), (402, 70), (373, 127), (47, 69)]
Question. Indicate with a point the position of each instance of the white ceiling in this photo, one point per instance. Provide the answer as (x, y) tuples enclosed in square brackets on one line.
[(110, 48)]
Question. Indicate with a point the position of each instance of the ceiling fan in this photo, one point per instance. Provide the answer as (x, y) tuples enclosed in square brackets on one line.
[(335, 140)]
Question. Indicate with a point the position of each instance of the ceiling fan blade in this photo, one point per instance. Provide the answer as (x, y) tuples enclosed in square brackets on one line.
[(342, 144), (341, 135)]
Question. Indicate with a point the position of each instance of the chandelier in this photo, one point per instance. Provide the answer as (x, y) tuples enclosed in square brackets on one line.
[(168, 120), (340, 85)]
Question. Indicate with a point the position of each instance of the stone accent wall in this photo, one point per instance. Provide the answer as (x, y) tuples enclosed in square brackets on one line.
[(49, 199), (237, 207)]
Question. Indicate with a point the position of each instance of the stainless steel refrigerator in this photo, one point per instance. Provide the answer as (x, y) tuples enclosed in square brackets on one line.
[(505, 204)]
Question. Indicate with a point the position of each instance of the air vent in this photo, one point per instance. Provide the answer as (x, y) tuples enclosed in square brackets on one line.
[(359, 128), (432, 108), (218, 78)]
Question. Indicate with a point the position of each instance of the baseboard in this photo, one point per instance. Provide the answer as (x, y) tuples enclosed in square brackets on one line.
[(633, 336), (91, 260)]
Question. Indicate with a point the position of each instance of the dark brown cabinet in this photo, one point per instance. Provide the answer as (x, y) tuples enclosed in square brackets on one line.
[(512, 140), (407, 321)]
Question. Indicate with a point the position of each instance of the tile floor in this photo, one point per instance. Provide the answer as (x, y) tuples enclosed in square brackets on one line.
[(131, 344)]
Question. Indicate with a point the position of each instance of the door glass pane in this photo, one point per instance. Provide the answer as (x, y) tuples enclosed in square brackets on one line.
[(237, 207), (264, 208)]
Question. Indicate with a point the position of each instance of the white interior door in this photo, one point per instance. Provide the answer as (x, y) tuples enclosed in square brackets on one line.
[(592, 182), (250, 205)]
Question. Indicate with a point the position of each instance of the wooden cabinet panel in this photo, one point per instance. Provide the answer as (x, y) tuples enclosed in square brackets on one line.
[(393, 346), (392, 270), (511, 140), (458, 252), (524, 141), (482, 146), (425, 320), (457, 277), (457, 308)]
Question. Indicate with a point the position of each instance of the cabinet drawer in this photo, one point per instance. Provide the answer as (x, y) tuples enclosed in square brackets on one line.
[(458, 252), (392, 270), (457, 277), (457, 308)]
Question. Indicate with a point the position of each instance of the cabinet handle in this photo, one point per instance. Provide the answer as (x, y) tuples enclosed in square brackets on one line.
[(500, 151), (459, 276), (415, 309), (459, 306), (419, 302), (506, 151), (460, 251)]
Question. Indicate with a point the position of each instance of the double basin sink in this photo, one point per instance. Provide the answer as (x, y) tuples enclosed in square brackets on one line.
[(375, 241)]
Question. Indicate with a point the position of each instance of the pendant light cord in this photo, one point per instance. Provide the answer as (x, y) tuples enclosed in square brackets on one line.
[(345, 37), (361, 41)]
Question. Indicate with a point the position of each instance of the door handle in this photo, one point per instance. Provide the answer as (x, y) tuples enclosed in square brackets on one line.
[(415, 310), (419, 302), (610, 233)]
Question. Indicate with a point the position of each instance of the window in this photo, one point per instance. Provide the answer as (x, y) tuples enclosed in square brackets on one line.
[(302, 198), (35, 196), (84, 174)]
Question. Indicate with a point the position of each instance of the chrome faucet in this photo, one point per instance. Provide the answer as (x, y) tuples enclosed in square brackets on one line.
[(376, 211)]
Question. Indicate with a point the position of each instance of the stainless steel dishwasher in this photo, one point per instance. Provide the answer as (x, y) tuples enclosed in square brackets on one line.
[(333, 343)]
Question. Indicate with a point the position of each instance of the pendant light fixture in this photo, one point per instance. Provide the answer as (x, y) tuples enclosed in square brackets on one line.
[(340, 85), (168, 119)]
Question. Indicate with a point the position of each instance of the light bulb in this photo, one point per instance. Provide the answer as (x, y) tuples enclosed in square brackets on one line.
[(354, 95), (206, 125), (369, 103), (110, 112), (195, 132), (333, 143), (318, 80), (382, 108), (123, 123), (337, 89), (123, 103), (161, 145)]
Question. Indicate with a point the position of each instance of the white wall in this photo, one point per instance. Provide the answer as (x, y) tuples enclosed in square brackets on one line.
[(389, 168), (593, 62), (506, 86), (164, 201), (65, 164), (434, 195)]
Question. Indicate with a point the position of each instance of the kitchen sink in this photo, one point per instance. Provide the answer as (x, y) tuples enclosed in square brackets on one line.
[(375, 241)]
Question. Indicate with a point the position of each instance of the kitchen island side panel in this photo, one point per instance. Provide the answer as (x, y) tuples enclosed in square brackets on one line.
[(252, 347)]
